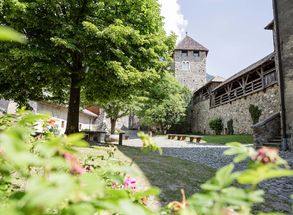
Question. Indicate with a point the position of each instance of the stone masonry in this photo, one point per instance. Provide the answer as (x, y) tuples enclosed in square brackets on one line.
[(195, 76), (268, 101), (284, 47)]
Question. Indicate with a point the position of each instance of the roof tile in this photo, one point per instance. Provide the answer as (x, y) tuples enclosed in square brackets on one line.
[(190, 44)]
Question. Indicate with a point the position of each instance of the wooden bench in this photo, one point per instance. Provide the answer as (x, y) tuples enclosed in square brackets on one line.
[(197, 138), (184, 136), (171, 136)]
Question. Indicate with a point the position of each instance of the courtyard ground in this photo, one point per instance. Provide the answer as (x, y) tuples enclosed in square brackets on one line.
[(164, 172), (278, 191), (187, 165)]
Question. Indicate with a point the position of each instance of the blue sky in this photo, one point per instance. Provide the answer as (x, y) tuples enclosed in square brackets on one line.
[(233, 30)]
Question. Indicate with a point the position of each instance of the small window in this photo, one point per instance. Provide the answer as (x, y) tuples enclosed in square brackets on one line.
[(185, 66), (184, 53), (196, 53), (62, 124), (80, 126)]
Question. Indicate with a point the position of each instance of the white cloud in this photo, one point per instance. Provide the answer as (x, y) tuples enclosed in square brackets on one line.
[(174, 19)]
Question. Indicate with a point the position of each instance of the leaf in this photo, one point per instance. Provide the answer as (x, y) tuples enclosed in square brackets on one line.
[(8, 34), (49, 192), (224, 176), (256, 196), (262, 173), (242, 152), (76, 140), (150, 192)]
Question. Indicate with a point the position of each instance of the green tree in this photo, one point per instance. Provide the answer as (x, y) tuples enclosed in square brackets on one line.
[(8, 34), (165, 103), (106, 48), (117, 109)]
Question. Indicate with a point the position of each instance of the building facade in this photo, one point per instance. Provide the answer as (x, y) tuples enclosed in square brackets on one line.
[(230, 99), (283, 35), (190, 63)]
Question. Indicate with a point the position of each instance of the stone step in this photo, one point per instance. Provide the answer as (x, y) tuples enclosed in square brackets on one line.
[(275, 140), (272, 144)]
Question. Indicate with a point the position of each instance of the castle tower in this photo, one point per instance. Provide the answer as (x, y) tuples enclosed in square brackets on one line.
[(190, 63)]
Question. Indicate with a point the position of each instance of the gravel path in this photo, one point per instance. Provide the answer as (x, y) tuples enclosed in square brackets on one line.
[(278, 191)]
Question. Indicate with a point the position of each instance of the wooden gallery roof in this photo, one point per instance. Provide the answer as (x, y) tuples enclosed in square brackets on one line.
[(254, 78)]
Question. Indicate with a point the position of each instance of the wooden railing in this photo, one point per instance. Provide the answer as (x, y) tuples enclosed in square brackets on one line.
[(249, 88)]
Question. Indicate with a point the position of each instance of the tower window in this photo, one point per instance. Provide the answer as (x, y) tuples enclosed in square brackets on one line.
[(184, 53), (185, 66), (196, 53)]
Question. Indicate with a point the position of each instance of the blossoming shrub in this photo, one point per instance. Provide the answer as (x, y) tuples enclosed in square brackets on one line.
[(42, 175)]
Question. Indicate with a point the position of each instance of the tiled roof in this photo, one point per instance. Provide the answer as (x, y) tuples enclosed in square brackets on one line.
[(216, 79), (190, 44)]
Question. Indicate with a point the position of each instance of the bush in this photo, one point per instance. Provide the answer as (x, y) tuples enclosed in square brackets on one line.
[(42, 175), (255, 113), (230, 127), (216, 125)]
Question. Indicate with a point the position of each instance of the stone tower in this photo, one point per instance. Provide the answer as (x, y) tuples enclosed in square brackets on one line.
[(190, 63)]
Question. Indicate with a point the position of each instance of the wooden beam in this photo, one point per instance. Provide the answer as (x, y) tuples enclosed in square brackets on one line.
[(262, 77)]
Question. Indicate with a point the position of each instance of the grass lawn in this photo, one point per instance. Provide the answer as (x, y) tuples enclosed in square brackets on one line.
[(223, 139), (167, 173)]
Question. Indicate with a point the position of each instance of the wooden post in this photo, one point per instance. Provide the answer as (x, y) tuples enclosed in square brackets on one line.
[(121, 138)]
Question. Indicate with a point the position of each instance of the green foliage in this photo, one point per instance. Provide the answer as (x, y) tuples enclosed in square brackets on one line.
[(148, 143), (165, 103), (221, 195), (42, 175), (105, 49), (255, 113), (8, 34), (230, 127), (216, 125), (118, 108)]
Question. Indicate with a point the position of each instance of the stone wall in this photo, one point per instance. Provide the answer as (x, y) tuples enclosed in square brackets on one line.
[(284, 19), (268, 101), (268, 129), (195, 77)]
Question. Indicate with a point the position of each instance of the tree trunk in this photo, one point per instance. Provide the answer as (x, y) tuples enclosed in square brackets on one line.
[(113, 125), (74, 100)]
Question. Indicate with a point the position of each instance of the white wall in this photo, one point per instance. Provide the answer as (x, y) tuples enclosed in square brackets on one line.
[(59, 113), (86, 122)]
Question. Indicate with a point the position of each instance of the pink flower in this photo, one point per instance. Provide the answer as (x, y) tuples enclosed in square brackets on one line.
[(114, 185), (266, 155), (75, 167), (129, 183)]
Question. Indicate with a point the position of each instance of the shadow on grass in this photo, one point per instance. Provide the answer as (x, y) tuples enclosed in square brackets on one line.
[(168, 173)]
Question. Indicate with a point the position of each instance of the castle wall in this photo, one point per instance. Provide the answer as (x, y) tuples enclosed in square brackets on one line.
[(196, 76), (268, 101), (284, 21)]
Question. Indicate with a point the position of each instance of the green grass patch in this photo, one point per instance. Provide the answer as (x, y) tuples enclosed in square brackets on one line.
[(167, 173), (223, 139)]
